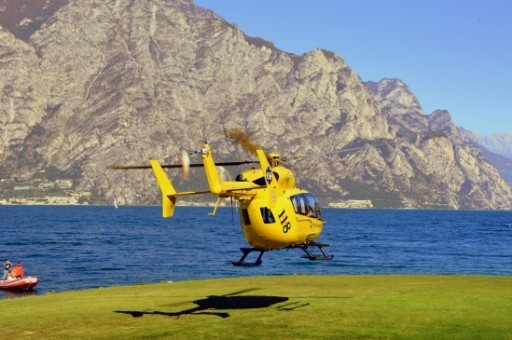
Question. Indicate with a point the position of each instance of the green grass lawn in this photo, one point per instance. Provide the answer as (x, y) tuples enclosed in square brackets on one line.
[(272, 307)]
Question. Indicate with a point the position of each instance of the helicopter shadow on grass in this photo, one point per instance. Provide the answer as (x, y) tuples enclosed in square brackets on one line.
[(232, 301)]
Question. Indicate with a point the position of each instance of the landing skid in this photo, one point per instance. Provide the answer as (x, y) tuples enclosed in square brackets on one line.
[(316, 257), (305, 247), (246, 252)]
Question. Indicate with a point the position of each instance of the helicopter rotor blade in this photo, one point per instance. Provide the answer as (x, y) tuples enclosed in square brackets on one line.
[(347, 150), (241, 138), (185, 163), (333, 152), (176, 166)]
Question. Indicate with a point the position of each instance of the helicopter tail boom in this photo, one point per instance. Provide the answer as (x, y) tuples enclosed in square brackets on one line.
[(168, 191)]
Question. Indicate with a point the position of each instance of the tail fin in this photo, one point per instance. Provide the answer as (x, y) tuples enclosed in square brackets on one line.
[(168, 191), (215, 182)]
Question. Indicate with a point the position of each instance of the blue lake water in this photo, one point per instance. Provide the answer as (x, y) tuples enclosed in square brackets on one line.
[(78, 247)]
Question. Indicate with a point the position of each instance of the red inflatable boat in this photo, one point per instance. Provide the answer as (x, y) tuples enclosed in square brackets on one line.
[(22, 283), (18, 280)]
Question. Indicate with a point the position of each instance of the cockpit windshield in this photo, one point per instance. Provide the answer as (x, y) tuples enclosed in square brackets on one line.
[(306, 204)]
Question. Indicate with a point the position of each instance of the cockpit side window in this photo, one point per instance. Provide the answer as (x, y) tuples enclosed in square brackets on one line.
[(266, 215)]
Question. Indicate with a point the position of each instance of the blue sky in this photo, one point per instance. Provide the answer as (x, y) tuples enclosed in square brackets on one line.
[(454, 55)]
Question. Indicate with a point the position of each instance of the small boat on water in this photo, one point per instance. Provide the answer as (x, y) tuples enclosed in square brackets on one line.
[(16, 280), (22, 283)]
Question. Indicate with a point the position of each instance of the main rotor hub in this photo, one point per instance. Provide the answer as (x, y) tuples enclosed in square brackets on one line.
[(275, 159)]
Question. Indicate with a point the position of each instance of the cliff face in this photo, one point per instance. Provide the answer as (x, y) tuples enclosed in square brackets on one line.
[(122, 81), (23, 17)]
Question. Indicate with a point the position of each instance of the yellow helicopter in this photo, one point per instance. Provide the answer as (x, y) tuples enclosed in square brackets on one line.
[(274, 213)]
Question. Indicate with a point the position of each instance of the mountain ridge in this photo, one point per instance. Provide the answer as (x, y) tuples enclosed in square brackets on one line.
[(107, 82)]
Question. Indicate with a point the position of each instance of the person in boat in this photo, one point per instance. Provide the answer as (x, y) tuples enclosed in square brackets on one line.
[(17, 271), (7, 269)]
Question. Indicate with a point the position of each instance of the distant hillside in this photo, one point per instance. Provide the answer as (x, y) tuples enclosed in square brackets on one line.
[(497, 143), (497, 150)]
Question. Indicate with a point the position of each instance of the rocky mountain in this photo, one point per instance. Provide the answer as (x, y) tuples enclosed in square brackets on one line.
[(103, 82)]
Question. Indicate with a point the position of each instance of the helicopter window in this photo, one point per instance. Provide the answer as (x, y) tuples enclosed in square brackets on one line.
[(294, 202), (301, 207), (276, 175), (260, 181), (318, 211), (310, 205), (267, 215), (245, 217), (306, 204)]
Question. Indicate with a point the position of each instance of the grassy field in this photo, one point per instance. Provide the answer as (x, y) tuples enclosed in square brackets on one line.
[(279, 307)]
